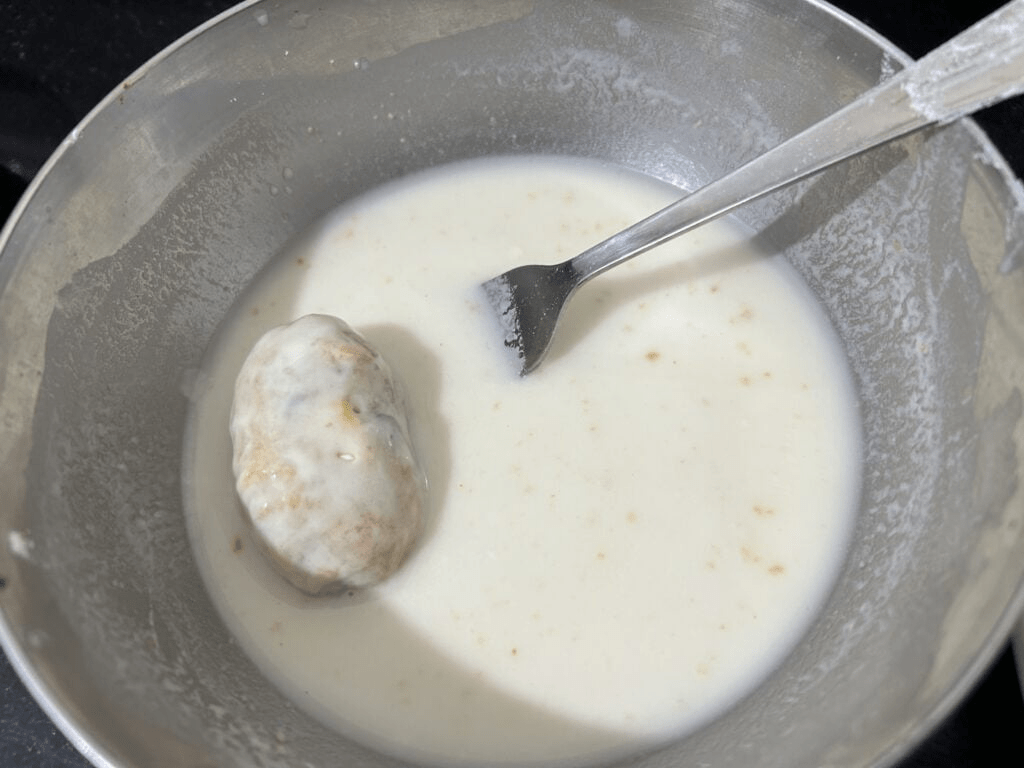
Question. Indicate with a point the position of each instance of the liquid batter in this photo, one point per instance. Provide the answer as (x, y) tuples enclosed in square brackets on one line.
[(616, 547)]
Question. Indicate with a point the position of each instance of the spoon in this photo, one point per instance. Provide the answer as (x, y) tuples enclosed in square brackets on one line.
[(978, 67)]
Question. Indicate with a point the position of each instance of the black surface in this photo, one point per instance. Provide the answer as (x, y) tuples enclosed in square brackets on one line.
[(58, 59)]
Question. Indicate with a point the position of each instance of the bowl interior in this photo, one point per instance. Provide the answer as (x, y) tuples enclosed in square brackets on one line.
[(157, 213)]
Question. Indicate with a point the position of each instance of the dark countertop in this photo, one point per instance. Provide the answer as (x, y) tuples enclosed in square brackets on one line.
[(59, 58)]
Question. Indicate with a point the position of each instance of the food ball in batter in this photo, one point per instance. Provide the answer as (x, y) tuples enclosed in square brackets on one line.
[(322, 457)]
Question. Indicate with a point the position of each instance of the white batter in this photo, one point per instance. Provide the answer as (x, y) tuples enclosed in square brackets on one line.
[(616, 547)]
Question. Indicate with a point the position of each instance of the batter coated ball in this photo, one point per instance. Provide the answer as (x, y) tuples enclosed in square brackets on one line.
[(322, 457)]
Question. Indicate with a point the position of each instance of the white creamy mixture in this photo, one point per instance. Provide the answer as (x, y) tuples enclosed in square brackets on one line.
[(618, 546)]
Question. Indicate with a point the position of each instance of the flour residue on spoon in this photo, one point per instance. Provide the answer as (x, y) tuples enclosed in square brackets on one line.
[(989, 51)]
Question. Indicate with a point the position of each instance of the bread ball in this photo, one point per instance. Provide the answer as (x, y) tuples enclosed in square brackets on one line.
[(322, 457)]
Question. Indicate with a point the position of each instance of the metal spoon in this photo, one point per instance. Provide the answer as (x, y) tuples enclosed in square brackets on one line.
[(978, 67)]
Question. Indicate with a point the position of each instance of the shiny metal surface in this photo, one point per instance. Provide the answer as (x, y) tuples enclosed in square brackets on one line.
[(156, 213), (978, 67)]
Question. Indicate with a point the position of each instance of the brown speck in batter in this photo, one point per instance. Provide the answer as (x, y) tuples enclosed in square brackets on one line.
[(749, 555), (653, 356), (346, 411), (237, 545), (631, 517), (776, 569), (600, 555), (762, 511), (745, 381), (515, 651)]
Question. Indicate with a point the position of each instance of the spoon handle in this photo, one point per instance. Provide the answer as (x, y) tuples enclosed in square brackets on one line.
[(982, 65)]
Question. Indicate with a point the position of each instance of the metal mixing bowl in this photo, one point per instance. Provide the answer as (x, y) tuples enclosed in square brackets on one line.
[(155, 214)]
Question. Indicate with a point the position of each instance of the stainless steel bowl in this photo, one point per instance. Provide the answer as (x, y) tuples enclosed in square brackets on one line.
[(158, 210)]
